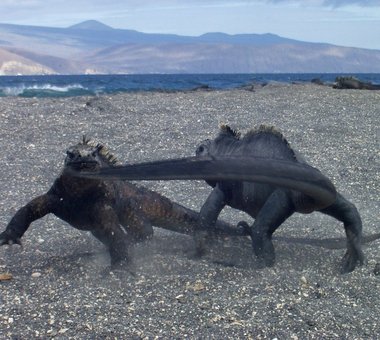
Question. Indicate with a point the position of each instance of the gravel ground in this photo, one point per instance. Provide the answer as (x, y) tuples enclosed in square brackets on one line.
[(59, 286)]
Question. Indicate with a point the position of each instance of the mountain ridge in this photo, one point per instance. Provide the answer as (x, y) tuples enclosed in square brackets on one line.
[(91, 25), (93, 47)]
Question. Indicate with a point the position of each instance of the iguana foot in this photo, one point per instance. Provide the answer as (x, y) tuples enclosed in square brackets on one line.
[(350, 260), (122, 267), (244, 228), (262, 245), (8, 237), (202, 239), (120, 259), (266, 260), (263, 249)]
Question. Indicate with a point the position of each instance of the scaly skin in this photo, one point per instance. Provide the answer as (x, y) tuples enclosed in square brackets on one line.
[(117, 213), (261, 175)]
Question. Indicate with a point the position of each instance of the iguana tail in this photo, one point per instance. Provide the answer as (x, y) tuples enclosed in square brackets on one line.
[(292, 175), (329, 243)]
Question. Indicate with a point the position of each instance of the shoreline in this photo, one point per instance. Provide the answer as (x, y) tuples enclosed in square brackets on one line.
[(224, 294), (61, 86)]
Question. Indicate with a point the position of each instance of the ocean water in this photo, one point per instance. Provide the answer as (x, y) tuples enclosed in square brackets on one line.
[(77, 85)]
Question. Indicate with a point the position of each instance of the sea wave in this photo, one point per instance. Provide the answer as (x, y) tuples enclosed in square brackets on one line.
[(45, 90)]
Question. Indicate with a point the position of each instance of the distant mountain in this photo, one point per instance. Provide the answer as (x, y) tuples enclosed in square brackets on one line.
[(91, 25), (93, 47)]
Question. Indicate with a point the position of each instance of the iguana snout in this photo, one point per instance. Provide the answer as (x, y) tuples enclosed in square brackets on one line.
[(83, 158)]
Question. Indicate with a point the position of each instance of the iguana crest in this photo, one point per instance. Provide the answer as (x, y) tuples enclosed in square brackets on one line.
[(103, 151), (269, 129), (229, 137), (226, 129), (266, 129)]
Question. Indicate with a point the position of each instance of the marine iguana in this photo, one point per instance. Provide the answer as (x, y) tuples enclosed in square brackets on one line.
[(354, 83), (117, 213), (263, 176)]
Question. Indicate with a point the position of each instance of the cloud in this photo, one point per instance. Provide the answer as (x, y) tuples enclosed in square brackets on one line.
[(331, 3), (361, 3)]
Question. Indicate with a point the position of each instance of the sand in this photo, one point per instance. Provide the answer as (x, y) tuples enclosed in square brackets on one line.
[(60, 286)]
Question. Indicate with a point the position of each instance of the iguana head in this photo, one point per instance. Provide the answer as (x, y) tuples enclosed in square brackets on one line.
[(225, 140), (88, 156)]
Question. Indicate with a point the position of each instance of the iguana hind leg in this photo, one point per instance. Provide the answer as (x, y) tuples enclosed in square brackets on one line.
[(108, 230), (135, 222), (346, 212), (273, 213)]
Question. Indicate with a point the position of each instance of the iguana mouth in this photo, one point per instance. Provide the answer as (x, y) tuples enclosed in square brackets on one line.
[(79, 165)]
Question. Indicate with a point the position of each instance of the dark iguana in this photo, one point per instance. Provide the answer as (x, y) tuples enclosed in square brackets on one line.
[(263, 176), (354, 83), (115, 212)]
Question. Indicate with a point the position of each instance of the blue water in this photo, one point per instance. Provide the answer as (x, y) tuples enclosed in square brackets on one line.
[(77, 85)]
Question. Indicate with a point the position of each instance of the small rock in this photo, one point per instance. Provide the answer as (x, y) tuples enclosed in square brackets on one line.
[(5, 276), (181, 298)]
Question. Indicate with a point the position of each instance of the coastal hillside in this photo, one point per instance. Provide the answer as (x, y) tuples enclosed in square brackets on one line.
[(92, 47)]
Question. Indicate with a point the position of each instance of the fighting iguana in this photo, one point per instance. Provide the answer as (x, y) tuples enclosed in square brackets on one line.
[(115, 212), (263, 176)]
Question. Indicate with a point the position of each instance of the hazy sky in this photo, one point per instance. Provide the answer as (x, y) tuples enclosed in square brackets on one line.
[(341, 22)]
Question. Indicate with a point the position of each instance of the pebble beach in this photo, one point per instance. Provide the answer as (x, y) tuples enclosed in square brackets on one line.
[(57, 285)]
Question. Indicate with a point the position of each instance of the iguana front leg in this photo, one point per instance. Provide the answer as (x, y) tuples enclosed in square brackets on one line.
[(209, 213), (35, 209)]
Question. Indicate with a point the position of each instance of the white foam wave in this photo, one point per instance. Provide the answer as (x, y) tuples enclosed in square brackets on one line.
[(20, 89)]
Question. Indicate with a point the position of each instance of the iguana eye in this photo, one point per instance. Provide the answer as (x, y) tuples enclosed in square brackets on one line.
[(203, 148)]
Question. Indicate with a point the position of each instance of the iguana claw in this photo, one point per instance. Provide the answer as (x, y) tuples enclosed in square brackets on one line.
[(6, 237)]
